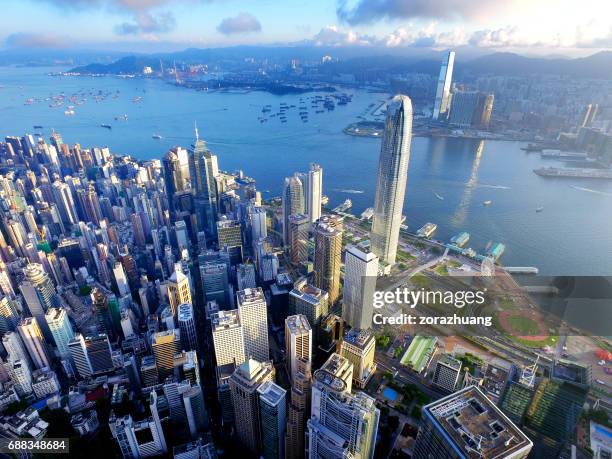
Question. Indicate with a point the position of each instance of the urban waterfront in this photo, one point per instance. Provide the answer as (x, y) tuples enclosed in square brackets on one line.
[(569, 237)]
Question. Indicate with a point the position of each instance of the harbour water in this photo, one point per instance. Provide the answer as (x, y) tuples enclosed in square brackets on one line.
[(571, 235)]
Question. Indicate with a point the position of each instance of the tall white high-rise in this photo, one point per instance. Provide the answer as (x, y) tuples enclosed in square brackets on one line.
[(298, 342), (121, 279), (391, 178), (293, 202), (443, 95), (34, 341), (360, 271), (59, 325), (254, 320), (314, 192), (228, 338), (12, 343)]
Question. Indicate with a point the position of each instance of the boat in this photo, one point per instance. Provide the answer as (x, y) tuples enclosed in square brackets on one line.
[(495, 250), (540, 209), (487, 203), (441, 198), (107, 126), (36, 126), (427, 230), (532, 147), (460, 239), (69, 112), (346, 205), (157, 136), (574, 172)]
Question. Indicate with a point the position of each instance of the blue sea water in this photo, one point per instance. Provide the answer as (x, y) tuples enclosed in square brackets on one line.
[(571, 236)]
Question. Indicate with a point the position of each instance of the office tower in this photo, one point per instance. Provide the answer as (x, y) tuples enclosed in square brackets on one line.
[(443, 94), (298, 410), (229, 235), (358, 348), (467, 424), (78, 352), (258, 223), (297, 238), (107, 310), (310, 301), (138, 230), (179, 289), (314, 192), (292, 202), (138, 439), (9, 316), (273, 419), (215, 282), (228, 339), (62, 195), (148, 371), (173, 390), (195, 410), (341, 424), (127, 328), (328, 250), (269, 267), (34, 341), (121, 279), (14, 347), (165, 345), (91, 205), (243, 384), (186, 365), (340, 367), (38, 290), (590, 111), (21, 376), (298, 342), (471, 109), (100, 353), (187, 326), (447, 372), (245, 276), (204, 170), (391, 179), (360, 273), (59, 325), (176, 174), (45, 383), (254, 319)]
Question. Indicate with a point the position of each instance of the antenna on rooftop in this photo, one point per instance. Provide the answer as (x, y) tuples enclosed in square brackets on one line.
[(195, 127)]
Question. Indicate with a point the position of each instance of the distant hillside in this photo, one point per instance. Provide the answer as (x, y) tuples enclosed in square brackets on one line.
[(596, 66)]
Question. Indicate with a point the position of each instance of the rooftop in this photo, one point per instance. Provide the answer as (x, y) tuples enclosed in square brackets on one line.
[(272, 393), (476, 426), (223, 320), (359, 338), (297, 324)]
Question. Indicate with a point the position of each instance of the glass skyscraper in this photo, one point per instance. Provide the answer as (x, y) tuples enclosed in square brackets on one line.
[(391, 179)]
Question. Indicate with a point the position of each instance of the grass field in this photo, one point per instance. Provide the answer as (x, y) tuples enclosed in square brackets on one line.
[(522, 325)]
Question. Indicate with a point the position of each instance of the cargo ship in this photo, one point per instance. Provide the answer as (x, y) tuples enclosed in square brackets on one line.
[(460, 239), (427, 230), (574, 172), (495, 250)]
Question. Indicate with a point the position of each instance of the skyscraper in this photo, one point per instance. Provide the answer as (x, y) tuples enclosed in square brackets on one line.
[(229, 234), (34, 341), (298, 342), (298, 238), (244, 383), (292, 202), (467, 424), (391, 178), (254, 320), (38, 290), (228, 339), (179, 290), (447, 372), (314, 192), (59, 325), (273, 419), (187, 326), (298, 410), (442, 102), (165, 345), (358, 347), (204, 169), (310, 301), (360, 273), (328, 250), (341, 424)]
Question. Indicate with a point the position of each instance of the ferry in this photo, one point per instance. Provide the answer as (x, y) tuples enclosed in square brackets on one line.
[(539, 209), (495, 250), (460, 239), (107, 126), (346, 205), (427, 230), (574, 172), (36, 126), (157, 136), (487, 203), (441, 198), (69, 112)]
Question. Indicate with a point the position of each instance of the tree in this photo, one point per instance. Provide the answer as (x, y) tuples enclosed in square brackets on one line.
[(416, 413)]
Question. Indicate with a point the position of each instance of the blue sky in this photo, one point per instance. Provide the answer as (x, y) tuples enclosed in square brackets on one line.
[(546, 26)]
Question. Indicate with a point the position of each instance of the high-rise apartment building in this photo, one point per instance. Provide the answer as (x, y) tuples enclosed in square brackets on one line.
[(327, 256), (360, 273), (391, 179), (254, 320)]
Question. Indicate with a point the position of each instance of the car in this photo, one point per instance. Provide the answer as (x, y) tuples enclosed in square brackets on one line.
[(599, 381), (601, 363)]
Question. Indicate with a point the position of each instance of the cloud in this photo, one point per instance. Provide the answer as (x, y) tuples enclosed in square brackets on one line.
[(35, 40), (368, 11), (332, 35), (241, 23), (146, 23)]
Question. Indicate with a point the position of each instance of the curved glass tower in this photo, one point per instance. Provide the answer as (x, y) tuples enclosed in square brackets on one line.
[(391, 180)]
